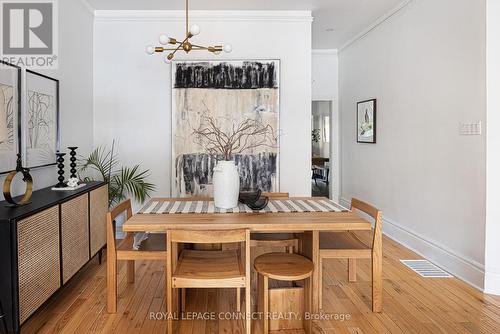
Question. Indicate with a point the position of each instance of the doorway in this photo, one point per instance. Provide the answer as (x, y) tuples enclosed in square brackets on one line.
[(322, 168)]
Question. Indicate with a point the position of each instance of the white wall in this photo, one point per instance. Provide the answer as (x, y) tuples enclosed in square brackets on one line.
[(325, 75), (426, 67), (133, 90), (325, 87), (75, 76), (492, 277)]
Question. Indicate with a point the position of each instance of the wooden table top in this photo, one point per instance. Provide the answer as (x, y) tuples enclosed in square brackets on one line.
[(256, 222)]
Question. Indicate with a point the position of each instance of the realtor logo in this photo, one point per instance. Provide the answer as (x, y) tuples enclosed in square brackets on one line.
[(29, 32)]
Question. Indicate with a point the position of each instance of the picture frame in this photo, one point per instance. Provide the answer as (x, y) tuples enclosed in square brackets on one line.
[(41, 120), (366, 121), (10, 116)]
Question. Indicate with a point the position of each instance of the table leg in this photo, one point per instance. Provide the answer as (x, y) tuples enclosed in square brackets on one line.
[(309, 247), (172, 294)]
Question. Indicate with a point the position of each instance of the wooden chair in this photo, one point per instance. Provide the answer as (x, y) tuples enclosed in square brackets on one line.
[(208, 269), (286, 240), (283, 267), (346, 245), (153, 248)]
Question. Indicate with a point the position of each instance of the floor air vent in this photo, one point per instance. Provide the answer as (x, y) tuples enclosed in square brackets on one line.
[(425, 269)]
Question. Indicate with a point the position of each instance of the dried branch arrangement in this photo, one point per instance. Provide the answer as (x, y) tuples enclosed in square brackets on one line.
[(243, 137)]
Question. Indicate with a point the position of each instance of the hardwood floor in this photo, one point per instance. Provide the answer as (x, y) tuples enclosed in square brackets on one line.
[(411, 304)]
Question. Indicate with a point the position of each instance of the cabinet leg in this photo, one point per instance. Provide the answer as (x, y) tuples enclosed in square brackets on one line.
[(99, 255), (2, 318)]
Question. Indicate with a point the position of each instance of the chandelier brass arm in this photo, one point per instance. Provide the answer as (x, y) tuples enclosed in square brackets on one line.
[(185, 45)]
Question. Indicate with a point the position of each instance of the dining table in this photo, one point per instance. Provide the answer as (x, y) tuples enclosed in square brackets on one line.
[(308, 224)]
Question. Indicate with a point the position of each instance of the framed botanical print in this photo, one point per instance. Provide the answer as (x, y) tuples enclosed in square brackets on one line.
[(367, 121), (10, 111), (41, 120)]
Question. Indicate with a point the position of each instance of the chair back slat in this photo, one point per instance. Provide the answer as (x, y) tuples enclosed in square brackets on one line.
[(124, 206), (373, 212), (365, 207), (208, 237), (121, 208)]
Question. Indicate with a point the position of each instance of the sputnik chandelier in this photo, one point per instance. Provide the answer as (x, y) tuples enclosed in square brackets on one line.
[(185, 45)]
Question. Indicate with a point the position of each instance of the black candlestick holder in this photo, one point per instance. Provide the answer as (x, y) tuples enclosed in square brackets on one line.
[(60, 165), (72, 158)]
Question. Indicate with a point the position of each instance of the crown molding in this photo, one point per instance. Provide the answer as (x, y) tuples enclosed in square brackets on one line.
[(375, 24), (203, 15), (325, 52)]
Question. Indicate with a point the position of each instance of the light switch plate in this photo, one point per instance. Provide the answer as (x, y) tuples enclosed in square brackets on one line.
[(470, 129)]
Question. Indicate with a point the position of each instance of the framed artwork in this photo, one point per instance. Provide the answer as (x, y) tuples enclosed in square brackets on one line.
[(235, 102), (41, 120), (367, 121), (10, 114)]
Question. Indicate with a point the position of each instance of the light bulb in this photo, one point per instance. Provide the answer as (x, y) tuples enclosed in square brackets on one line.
[(150, 50), (195, 29), (227, 48), (164, 39)]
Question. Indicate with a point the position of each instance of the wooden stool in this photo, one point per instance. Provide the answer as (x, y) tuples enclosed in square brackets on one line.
[(283, 267)]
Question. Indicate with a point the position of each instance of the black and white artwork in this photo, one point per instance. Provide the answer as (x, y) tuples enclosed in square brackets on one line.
[(10, 77), (366, 121), (41, 120), (224, 110)]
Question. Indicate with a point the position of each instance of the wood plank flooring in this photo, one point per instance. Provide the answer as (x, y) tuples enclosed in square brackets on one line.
[(411, 304)]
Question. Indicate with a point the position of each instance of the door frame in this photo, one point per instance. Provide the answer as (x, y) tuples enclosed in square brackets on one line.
[(335, 172)]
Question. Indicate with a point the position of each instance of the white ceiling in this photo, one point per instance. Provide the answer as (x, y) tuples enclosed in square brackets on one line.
[(345, 18)]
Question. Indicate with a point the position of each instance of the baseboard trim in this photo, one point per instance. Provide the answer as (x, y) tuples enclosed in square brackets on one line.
[(463, 268), (492, 282)]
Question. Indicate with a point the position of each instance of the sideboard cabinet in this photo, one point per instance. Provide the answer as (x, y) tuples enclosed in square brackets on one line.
[(44, 244)]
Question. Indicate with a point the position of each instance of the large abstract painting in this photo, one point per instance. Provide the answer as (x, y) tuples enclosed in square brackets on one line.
[(225, 110), (41, 120), (9, 113)]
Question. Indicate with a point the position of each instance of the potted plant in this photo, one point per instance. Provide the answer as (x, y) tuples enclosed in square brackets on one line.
[(224, 143), (123, 182)]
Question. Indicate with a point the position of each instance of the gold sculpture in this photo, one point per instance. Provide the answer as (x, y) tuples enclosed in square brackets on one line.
[(26, 178)]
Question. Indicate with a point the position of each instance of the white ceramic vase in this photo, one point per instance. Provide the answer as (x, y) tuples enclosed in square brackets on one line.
[(226, 185)]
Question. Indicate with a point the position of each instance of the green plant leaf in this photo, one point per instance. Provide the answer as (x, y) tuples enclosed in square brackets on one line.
[(122, 181)]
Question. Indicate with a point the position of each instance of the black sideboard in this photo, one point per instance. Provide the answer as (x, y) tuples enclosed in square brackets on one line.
[(45, 243)]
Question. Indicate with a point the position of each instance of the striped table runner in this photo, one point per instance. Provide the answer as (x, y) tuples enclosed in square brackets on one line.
[(274, 206)]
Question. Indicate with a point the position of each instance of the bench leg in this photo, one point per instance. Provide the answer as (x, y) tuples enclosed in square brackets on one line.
[(238, 300), (130, 271), (183, 300), (264, 302), (308, 304), (352, 270), (320, 283)]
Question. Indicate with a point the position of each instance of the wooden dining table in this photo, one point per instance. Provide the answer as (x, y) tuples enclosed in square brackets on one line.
[(309, 224)]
